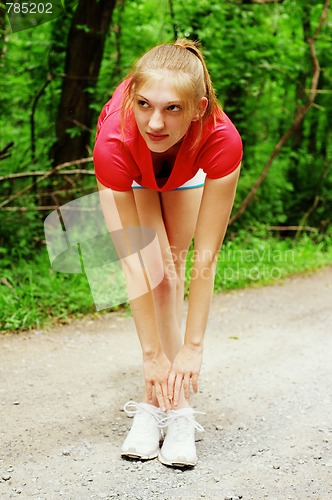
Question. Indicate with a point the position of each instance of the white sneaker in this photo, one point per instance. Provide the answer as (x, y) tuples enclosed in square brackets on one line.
[(179, 447), (144, 436)]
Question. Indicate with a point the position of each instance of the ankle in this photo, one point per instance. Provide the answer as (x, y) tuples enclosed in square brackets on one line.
[(154, 402), (182, 402)]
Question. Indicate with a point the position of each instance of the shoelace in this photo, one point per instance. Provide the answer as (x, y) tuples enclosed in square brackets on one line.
[(156, 413), (182, 417)]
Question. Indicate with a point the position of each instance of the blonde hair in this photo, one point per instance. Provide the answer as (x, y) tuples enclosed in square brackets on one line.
[(185, 64)]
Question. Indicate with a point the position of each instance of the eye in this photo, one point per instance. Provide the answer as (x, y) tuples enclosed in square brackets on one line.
[(174, 108), (142, 104)]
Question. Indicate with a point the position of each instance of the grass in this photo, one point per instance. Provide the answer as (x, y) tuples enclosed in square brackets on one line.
[(255, 261), (33, 296)]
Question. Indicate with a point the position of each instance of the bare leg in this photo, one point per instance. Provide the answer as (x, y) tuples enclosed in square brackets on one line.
[(180, 212)]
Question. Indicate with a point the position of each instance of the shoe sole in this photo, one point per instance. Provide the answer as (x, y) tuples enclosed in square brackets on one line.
[(176, 463), (137, 456)]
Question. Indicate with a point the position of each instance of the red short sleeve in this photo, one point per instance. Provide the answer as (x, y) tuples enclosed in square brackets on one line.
[(222, 152), (114, 165)]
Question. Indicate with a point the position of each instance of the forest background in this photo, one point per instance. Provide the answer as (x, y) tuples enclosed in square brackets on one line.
[(271, 64)]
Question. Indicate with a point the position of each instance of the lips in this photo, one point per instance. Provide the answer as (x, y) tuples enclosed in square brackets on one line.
[(156, 137)]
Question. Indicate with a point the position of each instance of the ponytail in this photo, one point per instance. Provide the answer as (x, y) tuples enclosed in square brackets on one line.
[(194, 48)]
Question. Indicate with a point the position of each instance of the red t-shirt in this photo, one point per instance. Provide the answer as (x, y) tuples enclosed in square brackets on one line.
[(121, 157)]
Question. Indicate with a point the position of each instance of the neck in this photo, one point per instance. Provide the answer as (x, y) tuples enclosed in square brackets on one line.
[(170, 153)]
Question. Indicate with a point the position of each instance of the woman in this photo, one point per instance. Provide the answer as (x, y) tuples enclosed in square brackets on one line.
[(169, 159)]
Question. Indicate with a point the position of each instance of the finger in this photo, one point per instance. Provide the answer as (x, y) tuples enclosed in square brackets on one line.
[(186, 386), (170, 385), (194, 382), (160, 397), (166, 399), (177, 389), (149, 389)]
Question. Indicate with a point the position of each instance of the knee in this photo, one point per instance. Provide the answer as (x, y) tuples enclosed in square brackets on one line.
[(141, 277), (168, 284), (171, 284)]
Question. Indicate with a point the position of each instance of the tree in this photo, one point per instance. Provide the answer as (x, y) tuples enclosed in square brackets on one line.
[(2, 27), (85, 48)]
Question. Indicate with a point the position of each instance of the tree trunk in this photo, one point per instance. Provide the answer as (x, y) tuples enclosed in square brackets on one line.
[(2, 29), (85, 47)]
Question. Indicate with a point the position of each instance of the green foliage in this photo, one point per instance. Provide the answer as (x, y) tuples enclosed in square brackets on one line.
[(32, 295), (261, 67)]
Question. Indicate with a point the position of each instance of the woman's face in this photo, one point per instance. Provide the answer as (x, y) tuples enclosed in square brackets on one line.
[(160, 116)]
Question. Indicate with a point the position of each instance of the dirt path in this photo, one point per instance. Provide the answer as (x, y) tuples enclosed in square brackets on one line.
[(266, 388)]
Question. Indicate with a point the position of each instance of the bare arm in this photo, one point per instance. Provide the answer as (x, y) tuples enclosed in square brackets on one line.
[(217, 203), (216, 206), (120, 212)]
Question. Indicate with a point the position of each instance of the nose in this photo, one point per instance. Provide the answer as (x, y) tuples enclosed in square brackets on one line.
[(156, 122)]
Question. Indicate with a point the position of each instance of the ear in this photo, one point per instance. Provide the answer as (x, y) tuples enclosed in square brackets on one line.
[(202, 105)]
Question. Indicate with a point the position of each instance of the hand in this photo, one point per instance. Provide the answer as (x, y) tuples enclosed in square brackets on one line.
[(156, 370), (186, 367)]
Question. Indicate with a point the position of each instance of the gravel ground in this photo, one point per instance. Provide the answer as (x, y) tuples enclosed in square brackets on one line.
[(266, 388)]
